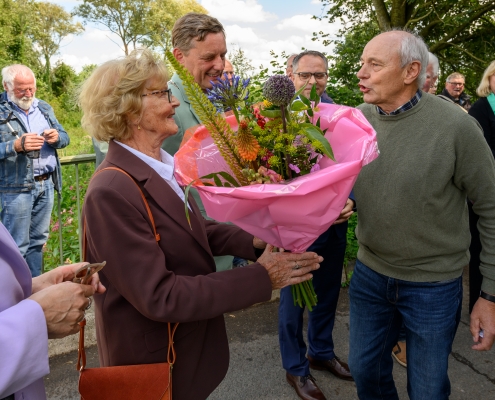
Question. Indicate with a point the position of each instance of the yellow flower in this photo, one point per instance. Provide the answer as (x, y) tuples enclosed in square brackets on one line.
[(266, 103)]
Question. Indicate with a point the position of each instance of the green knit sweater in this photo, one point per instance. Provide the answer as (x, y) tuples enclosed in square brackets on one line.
[(412, 211)]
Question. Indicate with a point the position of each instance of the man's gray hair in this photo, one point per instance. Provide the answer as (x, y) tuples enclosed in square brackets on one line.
[(456, 75), (413, 48), (10, 72), (433, 60), (313, 53), (193, 26)]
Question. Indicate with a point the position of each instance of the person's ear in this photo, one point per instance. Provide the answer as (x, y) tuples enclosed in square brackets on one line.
[(179, 55), (412, 72)]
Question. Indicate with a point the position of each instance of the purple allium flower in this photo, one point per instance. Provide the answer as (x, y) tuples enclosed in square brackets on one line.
[(279, 90)]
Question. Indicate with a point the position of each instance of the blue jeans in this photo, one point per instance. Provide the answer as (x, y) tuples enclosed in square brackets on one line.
[(430, 312), (26, 215)]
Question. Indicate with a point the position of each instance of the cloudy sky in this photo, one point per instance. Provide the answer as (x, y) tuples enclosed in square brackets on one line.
[(256, 26)]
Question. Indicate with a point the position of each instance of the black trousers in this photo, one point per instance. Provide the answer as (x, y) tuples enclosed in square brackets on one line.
[(475, 277)]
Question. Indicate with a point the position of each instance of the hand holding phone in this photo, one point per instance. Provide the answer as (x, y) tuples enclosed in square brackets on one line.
[(84, 274)]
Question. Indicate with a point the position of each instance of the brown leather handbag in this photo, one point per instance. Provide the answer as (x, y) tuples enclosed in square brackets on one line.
[(132, 382)]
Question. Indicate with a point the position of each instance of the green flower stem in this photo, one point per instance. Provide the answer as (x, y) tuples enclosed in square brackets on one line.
[(304, 294), (284, 121), (236, 115)]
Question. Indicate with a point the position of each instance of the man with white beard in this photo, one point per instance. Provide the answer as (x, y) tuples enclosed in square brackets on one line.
[(29, 165)]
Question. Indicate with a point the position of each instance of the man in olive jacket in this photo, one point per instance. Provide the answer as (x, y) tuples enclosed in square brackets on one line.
[(199, 45)]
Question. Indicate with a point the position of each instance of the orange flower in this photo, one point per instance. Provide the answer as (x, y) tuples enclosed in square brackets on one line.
[(247, 145)]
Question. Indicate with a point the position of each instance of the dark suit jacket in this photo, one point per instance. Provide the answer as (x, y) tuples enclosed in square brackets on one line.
[(150, 284), (484, 114)]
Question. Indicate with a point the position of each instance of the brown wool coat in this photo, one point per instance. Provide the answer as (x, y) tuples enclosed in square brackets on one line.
[(149, 285)]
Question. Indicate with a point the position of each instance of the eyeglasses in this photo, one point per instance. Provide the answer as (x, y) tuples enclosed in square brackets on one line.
[(160, 94), (22, 92), (229, 73), (307, 75), (456, 83)]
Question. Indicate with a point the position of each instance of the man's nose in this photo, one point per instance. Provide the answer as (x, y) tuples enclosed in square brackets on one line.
[(219, 63), (361, 73)]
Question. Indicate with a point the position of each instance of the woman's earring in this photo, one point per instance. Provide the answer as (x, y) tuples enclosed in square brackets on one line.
[(139, 128)]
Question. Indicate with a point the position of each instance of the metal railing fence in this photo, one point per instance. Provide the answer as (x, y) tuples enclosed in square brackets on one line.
[(66, 162)]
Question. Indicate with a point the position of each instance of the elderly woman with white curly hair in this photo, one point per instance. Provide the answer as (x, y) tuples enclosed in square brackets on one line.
[(127, 103)]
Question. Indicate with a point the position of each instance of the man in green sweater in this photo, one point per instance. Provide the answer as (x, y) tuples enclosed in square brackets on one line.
[(413, 225)]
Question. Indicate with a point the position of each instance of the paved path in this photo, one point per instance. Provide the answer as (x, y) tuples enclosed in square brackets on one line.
[(256, 373)]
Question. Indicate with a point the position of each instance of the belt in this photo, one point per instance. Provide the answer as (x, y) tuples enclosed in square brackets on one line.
[(43, 177)]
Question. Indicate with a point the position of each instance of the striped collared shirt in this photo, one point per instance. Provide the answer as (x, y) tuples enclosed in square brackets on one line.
[(410, 104)]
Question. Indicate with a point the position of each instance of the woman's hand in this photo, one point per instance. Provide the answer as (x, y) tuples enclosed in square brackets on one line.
[(62, 274), (64, 305), (259, 243), (346, 212), (287, 269)]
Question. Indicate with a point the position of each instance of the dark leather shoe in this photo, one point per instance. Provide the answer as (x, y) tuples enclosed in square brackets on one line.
[(305, 387), (339, 368)]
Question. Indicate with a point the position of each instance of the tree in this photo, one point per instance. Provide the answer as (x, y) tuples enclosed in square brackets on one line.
[(63, 80), (164, 15), (241, 64), (16, 21), (461, 33), (125, 18), (52, 25), (137, 21)]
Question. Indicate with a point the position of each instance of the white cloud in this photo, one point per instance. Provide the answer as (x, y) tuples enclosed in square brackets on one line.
[(247, 11), (78, 62), (240, 36), (100, 35), (305, 23)]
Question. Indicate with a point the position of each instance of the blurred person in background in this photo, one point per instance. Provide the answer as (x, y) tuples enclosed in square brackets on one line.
[(228, 70), (454, 91), (484, 112), (29, 165)]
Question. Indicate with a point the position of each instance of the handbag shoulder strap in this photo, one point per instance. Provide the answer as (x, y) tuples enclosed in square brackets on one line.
[(81, 356)]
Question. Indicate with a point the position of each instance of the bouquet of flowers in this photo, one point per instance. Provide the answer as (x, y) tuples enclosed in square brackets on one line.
[(270, 168)]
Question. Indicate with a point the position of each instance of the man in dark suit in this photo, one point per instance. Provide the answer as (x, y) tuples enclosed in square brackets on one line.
[(310, 67)]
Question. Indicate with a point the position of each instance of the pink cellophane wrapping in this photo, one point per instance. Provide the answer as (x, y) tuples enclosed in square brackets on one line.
[(294, 214)]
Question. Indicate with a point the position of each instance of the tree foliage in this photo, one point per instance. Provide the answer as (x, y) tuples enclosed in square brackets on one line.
[(461, 33), (147, 22), (16, 21), (53, 24), (242, 65)]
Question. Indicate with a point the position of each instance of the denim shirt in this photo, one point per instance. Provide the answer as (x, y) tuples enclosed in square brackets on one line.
[(16, 169)]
